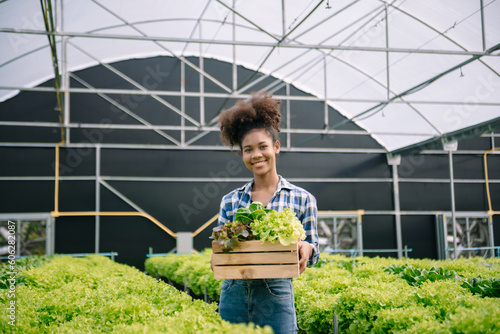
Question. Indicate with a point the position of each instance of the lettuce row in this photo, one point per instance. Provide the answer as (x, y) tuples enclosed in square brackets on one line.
[(367, 299), (21, 264), (486, 287), (194, 268), (97, 295)]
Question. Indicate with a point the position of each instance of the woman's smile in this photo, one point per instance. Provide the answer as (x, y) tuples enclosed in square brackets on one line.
[(258, 164)]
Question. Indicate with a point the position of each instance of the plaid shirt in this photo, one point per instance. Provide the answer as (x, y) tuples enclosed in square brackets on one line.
[(286, 195)]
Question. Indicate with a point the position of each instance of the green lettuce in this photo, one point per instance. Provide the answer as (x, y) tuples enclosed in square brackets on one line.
[(259, 223), (282, 226)]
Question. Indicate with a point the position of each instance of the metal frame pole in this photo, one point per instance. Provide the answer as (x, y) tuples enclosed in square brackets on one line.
[(483, 37), (492, 240), (65, 84), (397, 209), (360, 235), (235, 65), (48, 235), (325, 84), (283, 44), (288, 120), (467, 230), (201, 79), (452, 191), (97, 197), (335, 234), (51, 228), (395, 161), (387, 54), (183, 104)]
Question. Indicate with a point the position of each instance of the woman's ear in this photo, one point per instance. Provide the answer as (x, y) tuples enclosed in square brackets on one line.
[(277, 146)]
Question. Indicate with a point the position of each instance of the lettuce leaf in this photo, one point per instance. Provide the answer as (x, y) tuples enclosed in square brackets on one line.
[(260, 223), (282, 226)]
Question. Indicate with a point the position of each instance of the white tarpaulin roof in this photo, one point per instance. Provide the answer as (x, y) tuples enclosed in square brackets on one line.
[(405, 70)]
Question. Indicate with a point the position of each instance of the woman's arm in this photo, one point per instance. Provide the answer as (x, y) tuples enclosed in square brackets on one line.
[(309, 253), (222, 220), (305, 253)]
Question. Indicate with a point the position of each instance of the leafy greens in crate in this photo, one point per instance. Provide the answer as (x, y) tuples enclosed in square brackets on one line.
[(259, 223)]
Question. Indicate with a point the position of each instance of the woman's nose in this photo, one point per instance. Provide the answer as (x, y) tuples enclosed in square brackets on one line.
[(256, 154)]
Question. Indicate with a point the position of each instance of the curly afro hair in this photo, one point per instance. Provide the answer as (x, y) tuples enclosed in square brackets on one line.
[(261, 111)]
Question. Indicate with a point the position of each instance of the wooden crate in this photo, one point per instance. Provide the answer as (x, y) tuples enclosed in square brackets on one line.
[(253, 260)]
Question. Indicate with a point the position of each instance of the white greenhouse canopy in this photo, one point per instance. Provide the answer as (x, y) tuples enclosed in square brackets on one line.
[(406, 71)]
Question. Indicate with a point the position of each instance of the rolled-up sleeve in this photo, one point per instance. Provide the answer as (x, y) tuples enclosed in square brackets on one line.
[(311, 227), (225, 206)]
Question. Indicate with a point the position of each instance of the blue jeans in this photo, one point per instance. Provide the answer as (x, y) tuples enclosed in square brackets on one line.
[(260, 301)]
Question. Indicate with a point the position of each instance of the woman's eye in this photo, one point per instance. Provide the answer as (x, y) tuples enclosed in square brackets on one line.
[(263, 147)]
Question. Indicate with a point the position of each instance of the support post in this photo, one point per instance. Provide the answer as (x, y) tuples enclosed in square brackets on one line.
[(450, 147), (97, 197), (335, 324), (395, 161), (183, 103), (288, 120), (49, 232), (335, 234), (491, 241), (235, 66), (360, 236), (325, 104), (65, 82)]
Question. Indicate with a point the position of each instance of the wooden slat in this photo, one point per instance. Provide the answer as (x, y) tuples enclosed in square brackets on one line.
[(256, 246), (256, 272), (255, 258)]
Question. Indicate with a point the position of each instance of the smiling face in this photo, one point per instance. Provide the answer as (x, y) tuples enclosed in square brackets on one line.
[(259, 152)]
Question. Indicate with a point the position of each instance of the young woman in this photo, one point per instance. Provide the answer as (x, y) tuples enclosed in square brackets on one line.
[(254, 127)]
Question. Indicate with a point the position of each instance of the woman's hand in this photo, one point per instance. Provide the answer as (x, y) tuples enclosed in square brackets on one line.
[(305, 253)]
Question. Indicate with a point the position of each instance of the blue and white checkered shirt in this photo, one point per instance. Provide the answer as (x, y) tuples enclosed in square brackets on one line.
[(286, 195)]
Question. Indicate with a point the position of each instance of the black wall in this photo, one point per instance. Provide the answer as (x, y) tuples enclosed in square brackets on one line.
[(184, 205)]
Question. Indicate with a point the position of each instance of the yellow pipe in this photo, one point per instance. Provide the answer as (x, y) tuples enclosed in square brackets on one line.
[(490, 210), (56, 212), (204, 226), (114, 213)]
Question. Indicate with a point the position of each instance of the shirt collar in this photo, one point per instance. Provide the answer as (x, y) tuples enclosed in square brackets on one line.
[(282, 184)]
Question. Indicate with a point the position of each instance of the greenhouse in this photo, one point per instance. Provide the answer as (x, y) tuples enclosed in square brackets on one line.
[(110, 134)]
